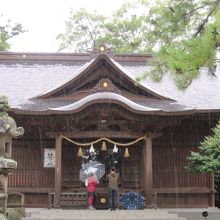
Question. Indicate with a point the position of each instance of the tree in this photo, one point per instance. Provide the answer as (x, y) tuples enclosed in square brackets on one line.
[(182, 35), (8, 31), (82, 31), (126, 29), (122, 32), (207, 160)]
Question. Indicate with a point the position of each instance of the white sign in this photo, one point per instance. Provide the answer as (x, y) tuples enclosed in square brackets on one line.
[(49, 157)]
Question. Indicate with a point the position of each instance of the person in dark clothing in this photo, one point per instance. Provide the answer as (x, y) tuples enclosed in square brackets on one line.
[(113, 180)]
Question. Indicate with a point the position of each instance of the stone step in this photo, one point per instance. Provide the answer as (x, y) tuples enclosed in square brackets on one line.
[(59, 214), (196, 214)]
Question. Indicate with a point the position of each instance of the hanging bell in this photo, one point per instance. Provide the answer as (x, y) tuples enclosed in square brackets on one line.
[(126, 153), (91, 149), (104, 147), (80, 153), (115, 149)]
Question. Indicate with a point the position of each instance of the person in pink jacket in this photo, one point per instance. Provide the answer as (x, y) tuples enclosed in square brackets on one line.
[(91, 183)]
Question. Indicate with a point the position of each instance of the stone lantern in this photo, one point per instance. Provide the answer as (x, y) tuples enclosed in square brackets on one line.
[(8, 130)]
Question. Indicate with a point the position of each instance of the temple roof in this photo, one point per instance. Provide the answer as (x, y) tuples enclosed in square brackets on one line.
[(47, 83), (89, 69)]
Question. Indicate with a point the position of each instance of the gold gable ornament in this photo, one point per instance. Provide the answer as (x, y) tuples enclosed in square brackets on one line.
[(105, 84), (102, 48)]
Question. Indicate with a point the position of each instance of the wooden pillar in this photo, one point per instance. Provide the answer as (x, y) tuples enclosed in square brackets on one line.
[(58, 162), (148, 182), (212, 186)]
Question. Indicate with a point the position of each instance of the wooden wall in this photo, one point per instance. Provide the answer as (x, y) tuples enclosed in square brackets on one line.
[(173, 185), (71, 165), (30, 177), (169, 168), (131, 169)]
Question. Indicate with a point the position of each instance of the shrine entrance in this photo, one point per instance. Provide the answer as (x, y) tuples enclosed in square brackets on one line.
[(119, 137), (128, 161)]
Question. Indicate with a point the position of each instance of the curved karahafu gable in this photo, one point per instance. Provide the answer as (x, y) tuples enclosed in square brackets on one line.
[(101, 67), (109, 98), (104, 97)]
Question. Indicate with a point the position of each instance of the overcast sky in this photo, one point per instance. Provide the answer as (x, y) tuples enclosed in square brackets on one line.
[(44, 20)]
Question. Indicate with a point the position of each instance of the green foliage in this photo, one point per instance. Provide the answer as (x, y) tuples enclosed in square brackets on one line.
[(182, 35), (125, 30), (207, 160), (82, 31), (8, 31)]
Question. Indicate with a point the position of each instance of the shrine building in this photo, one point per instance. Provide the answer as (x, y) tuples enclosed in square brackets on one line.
[(66, 101)]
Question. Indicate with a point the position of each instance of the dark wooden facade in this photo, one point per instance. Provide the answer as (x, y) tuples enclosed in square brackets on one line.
[(172, 185), (156, 166)]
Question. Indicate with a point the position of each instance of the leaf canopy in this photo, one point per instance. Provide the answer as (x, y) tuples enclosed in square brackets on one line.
[(182, 35), (8, 31)]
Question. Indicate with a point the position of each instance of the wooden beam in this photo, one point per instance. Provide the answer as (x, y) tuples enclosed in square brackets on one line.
[(148, 173), (97, 134), (58, 162)]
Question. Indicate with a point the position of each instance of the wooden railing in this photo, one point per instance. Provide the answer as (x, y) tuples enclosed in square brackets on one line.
[(74, 200)]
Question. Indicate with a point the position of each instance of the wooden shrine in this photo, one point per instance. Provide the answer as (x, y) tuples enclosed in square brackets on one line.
[(99, 99)]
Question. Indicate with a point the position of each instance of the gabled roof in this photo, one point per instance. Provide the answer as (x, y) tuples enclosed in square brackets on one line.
[(24, 77), (73, 83)]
